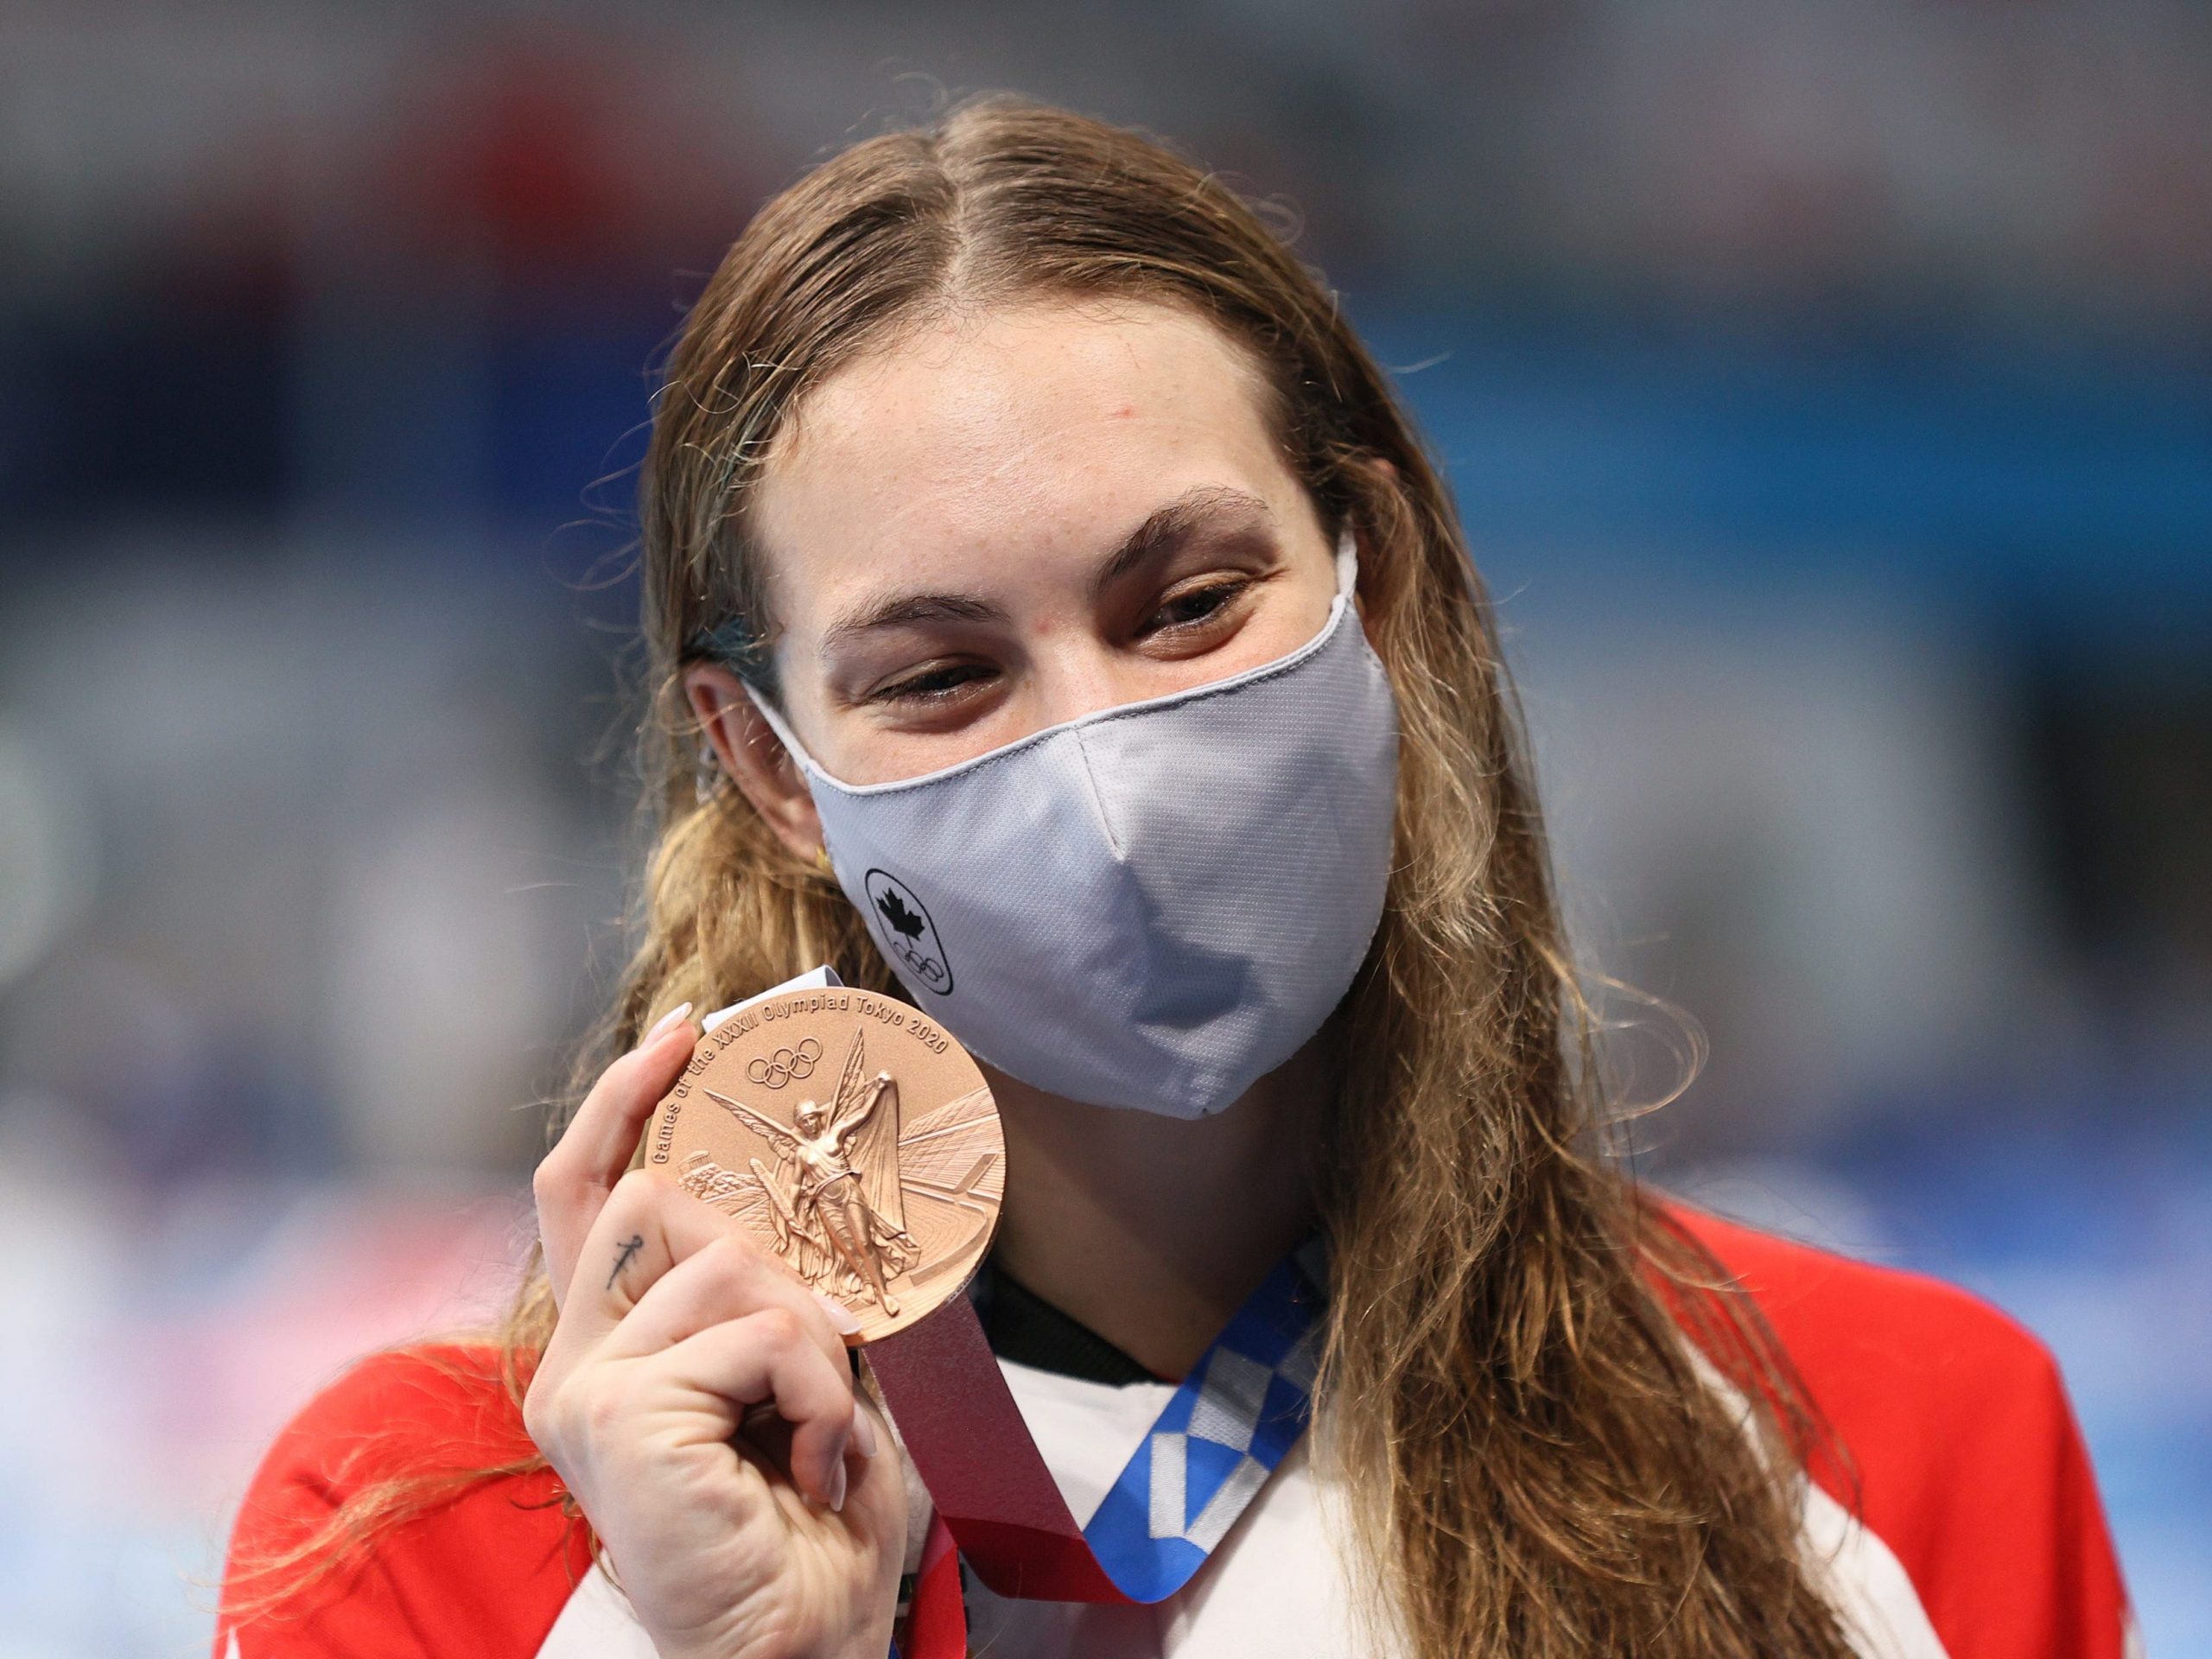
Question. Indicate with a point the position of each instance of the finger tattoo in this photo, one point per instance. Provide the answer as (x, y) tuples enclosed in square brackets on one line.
[(631, 1246)]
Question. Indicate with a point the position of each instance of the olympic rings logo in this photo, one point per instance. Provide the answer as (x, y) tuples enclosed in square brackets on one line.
[(774, 1070)]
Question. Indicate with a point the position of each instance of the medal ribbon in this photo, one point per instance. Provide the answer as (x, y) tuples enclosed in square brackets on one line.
[(1205, 1457)]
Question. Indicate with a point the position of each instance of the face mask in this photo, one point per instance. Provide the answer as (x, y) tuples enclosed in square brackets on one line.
[(1151, 906)]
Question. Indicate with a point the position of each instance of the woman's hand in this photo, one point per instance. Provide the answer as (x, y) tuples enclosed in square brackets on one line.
[(675, 1333)]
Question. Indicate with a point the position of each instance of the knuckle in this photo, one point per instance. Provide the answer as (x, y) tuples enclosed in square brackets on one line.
[(621, 1071), (550, 1180), (728, 1257), (604, 1411), (575, 1414), (542, 1412), (778, 1330), (641, 1187)]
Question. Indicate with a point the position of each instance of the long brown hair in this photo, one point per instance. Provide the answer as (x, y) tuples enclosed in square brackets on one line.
[(1537, 1464)]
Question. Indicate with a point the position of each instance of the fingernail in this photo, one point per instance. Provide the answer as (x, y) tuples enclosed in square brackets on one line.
[(864, 1434), (666, 1022), (840, 1317), (837, 1484)]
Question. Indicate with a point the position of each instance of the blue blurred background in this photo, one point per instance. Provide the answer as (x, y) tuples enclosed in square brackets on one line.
[(1827, 389)]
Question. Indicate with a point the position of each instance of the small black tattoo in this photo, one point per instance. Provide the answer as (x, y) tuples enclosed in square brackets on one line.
[(636, 1243)]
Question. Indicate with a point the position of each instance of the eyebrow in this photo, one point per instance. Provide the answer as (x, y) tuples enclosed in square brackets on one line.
[(1163, 529)]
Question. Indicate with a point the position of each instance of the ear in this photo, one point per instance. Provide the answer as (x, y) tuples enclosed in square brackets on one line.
[(748, 749), (1384, 465)]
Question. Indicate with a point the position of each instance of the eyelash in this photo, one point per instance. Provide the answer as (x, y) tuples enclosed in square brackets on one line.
[(911, 690), (917, 688), (1224, 594)]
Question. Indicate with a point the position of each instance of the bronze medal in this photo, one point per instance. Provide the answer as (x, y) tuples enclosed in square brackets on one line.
[(854, 1139)]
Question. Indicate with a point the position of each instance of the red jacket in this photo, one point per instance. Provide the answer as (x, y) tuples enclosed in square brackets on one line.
[(1966, 1462)]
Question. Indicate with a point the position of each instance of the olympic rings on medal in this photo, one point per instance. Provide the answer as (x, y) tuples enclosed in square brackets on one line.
[(774, 1070)]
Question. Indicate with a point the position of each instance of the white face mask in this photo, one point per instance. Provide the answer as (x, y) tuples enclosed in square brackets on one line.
[(1153, 904)]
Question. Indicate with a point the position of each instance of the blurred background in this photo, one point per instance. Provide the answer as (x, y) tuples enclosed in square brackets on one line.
[(1827, 389)]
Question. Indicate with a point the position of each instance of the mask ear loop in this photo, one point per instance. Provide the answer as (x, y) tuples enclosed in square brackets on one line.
[(1347, 564), (805, 762)]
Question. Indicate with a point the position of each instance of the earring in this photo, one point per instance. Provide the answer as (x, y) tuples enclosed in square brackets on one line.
[(707, 772)]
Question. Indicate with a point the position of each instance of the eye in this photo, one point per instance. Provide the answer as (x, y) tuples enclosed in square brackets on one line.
[(937, 683), (1195, 607)]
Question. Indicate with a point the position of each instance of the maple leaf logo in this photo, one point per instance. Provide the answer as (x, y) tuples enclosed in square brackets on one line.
[(903, 920)]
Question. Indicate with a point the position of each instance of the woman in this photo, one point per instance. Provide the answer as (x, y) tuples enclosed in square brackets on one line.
[(1021, 425)]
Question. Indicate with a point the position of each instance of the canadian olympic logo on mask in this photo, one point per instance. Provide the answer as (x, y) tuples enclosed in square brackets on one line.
[(902, 922)]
